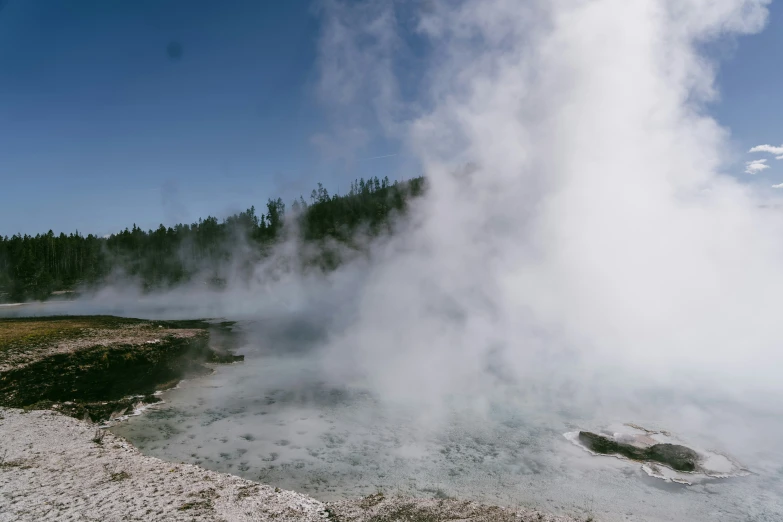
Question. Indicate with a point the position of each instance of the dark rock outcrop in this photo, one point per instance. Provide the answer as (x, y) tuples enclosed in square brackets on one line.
[(98, 382), (675, 456)]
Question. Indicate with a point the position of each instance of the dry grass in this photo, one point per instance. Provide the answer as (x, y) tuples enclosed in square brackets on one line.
[(13, 331), (26, 340), (121, 475)]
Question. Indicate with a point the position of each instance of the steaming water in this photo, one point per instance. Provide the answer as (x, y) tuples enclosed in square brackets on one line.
[(275, 420)]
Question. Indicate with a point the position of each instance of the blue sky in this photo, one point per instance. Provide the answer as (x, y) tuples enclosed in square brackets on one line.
[(101, 126), (750, 105)]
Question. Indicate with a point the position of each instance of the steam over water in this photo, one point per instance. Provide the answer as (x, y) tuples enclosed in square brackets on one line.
[(275, 419), (583, 256)]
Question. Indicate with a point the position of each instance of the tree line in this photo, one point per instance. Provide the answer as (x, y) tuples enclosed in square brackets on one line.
[(33, 267)]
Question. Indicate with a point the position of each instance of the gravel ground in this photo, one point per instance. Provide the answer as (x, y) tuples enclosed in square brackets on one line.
[(51, 468)]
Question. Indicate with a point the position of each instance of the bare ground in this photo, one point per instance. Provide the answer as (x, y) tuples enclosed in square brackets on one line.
[(52, 469)]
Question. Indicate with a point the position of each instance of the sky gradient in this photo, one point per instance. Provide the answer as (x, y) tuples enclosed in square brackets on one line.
[(148, 112)]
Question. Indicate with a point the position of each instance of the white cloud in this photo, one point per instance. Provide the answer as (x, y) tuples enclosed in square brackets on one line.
[(779, 185), (755, 166), (778, 151)]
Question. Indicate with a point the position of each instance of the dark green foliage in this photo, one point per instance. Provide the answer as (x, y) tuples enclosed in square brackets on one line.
[(33, 267), (368, 203)]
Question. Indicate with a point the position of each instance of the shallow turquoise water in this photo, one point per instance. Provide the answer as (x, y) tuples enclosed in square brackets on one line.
[(272, 419)]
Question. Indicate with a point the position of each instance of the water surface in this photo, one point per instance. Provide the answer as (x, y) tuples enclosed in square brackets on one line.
[(274, 419)]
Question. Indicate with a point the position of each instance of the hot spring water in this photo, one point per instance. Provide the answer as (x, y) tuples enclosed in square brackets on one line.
[(272, 419)]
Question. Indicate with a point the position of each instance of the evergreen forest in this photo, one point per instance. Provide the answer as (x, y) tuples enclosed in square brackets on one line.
[(35, 267)]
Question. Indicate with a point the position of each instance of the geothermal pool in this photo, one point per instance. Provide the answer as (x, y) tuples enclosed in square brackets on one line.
[(273, 419)]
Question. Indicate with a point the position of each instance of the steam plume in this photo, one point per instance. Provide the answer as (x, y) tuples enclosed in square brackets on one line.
[(580, 226)]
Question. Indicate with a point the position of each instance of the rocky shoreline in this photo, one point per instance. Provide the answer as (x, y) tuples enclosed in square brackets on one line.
[(99, 367)]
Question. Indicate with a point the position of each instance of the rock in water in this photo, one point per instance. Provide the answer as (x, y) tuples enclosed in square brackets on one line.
[(607, 446), (675, 456)]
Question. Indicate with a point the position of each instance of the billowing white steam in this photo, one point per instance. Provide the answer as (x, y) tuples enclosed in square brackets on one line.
[(580, 258), (580, 239), (579, 228)]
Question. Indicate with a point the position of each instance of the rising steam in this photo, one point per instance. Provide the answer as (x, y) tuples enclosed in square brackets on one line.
[(580, 226), (581, 254), (580, 236)]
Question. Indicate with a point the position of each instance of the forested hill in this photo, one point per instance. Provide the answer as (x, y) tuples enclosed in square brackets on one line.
[(32, 267)]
